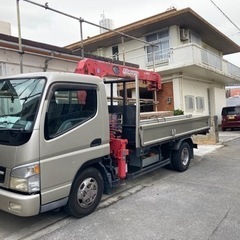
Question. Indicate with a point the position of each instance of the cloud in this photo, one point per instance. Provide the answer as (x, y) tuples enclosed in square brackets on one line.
[(46, 26)]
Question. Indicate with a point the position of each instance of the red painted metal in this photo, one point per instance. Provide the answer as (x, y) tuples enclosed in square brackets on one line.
[(119, 153), (106, 69)]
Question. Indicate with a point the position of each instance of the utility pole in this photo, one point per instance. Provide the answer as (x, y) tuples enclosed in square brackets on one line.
[(19, 37)]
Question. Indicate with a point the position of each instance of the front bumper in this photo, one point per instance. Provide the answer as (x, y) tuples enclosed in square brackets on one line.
[(18, 204)]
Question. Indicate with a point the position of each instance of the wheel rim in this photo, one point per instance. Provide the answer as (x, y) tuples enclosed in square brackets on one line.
[(87, 192), (185, 156)]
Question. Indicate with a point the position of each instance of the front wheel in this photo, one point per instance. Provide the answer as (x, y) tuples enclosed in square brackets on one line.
[(181, 157), (86, 193)]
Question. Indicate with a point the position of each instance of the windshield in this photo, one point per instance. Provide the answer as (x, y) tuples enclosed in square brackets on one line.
[(231, 111), (19, 100)]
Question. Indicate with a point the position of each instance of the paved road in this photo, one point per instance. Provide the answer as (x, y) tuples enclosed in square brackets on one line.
[(202, 203)]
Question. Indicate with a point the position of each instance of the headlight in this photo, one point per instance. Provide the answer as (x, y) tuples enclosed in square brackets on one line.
[(26, 178)]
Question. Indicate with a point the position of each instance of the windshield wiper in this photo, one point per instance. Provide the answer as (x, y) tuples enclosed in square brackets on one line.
[(26, 98), (6, 122), (16, 127)]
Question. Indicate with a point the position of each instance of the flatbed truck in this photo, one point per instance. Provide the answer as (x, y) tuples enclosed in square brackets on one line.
[(64, 142)]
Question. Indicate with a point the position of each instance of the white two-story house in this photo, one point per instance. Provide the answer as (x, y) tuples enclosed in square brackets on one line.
[(184, 49)]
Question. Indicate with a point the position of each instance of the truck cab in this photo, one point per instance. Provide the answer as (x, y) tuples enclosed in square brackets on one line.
[(51, 125)]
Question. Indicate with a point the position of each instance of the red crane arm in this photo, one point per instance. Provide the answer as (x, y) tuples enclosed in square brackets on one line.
[(106, 69)]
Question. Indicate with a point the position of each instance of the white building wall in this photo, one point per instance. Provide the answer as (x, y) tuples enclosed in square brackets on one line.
[(217, 101), (134, 53), (174, 36), (5, 28), (195, 89), (214, 96), (178, 93), (10, 64)]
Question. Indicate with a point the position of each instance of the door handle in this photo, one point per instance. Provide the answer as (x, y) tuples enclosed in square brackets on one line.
[(96, 142)]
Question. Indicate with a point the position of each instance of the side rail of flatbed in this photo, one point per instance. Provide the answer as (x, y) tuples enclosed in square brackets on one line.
[(160, 130)]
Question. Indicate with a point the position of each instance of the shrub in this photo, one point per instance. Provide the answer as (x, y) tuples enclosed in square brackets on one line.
[(178, 112)]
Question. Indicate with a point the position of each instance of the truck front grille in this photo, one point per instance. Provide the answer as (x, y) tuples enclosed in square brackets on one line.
[(2, 174)]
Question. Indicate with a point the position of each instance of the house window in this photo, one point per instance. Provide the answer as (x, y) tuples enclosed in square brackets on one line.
[(200, 103), (189, 103), (115, 53), (160, 50)]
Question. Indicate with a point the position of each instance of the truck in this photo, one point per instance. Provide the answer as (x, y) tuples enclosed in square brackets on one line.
[(68, 138)]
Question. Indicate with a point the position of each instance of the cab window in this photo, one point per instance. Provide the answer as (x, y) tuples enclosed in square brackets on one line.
[(68, 108)]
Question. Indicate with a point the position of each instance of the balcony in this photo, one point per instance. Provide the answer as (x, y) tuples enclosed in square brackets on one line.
[(191, 60)]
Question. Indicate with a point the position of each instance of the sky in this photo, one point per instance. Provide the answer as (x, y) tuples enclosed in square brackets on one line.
[(41, 25)]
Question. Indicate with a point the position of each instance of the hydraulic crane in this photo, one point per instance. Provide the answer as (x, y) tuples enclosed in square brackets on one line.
[(106, 69), (102, 69)]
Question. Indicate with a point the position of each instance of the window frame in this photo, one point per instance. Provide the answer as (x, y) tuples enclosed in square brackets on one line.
[(75, 122), (188, 108), (200, 104), (161, 53)]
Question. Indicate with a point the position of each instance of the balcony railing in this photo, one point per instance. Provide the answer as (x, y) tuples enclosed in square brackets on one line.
[(185, 55), (211, 59)]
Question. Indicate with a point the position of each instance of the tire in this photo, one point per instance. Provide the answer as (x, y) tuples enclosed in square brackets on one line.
[(86, 193), (181, 158), (223, 129)]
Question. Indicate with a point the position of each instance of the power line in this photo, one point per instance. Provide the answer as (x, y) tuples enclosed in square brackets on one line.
[(225, 15)]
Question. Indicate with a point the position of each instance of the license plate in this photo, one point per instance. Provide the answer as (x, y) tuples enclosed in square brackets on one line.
[(231, 117)]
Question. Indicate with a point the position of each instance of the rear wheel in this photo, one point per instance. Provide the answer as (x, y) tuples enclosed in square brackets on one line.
[(86, 193), (181, 157)]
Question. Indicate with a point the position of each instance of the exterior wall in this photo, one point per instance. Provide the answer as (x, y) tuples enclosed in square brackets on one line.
[(233, 92), (131, 51), (134, 53), (165, 97), (217, 101), (100, 52), (178, 92), (174, 36), (5, 28), (195, 89), (185, 86), (10, 63)]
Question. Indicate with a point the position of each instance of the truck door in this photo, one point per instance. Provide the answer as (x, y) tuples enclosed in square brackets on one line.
[(71, 135)]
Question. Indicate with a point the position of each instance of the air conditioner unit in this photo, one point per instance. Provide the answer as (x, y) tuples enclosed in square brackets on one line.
[(184, 34)]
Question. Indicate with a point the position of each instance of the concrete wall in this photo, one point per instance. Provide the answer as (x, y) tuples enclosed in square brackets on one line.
[(217, 101), (185, 86), (210, 138), (10, 63), (5, 28)]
